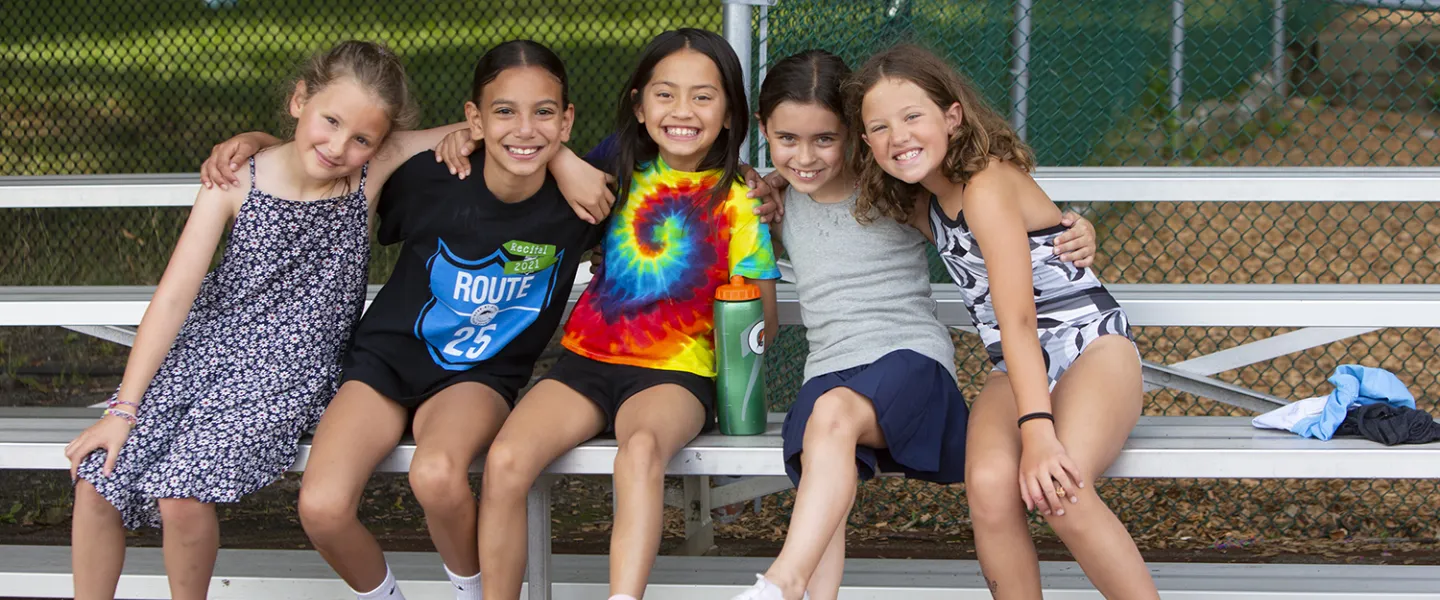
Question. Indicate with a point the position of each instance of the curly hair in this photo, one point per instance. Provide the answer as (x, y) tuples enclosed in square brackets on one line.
[(983, 134)]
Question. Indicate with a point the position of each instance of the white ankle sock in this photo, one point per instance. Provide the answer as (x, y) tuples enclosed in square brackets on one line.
[(387, 590), (466, 588), (622, 597)]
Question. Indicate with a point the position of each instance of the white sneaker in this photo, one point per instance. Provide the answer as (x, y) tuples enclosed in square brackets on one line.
[(763, 590)]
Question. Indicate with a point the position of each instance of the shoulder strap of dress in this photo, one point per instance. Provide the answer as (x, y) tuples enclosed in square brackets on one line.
[(364, 170), (252, 172)]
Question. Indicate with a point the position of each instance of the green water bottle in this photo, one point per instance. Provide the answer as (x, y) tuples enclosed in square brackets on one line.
[(739, 350)]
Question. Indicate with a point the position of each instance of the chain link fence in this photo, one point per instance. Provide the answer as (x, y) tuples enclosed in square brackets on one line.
[(149, 86)]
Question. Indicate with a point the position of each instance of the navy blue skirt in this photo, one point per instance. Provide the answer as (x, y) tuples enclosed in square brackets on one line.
[(920, 409)]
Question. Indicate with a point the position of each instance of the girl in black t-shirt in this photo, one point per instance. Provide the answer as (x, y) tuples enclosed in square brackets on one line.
[(481, 283)]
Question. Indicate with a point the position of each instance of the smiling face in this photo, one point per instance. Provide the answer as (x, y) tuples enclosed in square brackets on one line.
[(521, 119), (807, 146), (338, 129), (683, 108), (907, 132)]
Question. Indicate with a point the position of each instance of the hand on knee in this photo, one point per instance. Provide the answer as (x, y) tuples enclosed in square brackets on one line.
[(440, 482), (1079, 518)]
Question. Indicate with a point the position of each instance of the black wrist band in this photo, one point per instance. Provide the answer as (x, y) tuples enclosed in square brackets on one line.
[(1035, 415)]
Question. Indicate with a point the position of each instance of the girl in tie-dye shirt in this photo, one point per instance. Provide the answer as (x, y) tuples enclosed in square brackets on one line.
[(640, 357)]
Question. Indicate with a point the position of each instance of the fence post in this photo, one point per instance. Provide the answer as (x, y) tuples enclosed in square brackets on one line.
[(1177, 69), (739, 34), (762, 156), (1020, 69), (1277, 48)]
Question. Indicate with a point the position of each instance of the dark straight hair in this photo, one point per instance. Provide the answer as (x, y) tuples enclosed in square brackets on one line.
[(635, 147), (518, 53), (810, 77)]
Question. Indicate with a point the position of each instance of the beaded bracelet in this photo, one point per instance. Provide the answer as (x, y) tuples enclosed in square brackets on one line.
[(118, 402), (115, 412)]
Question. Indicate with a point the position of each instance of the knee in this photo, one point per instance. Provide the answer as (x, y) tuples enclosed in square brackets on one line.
[(184, 514), (509, 471), (838, 414), (440, 480), (992, 490), (323, 514), (89, 501), (639, 454)]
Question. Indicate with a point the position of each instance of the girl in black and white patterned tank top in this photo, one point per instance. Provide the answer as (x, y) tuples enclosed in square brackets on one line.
[(1072, 308), (1066, 390)]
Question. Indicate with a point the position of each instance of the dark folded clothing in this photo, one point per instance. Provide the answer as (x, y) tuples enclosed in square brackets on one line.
[(1390, 425)]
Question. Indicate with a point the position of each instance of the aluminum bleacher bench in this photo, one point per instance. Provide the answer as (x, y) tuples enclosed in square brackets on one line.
[(1160, 447)]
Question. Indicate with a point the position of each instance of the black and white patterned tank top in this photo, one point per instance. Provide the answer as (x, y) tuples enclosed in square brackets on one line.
[(1072, 307)]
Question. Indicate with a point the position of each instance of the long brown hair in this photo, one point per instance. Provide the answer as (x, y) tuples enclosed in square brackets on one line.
[(983, 134)]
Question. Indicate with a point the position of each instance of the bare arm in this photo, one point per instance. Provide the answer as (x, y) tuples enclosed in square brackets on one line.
[(771, 307), (775, 239), (586, 188), (401, 146), (999, 228), (996, 218), (176, 293), (227, 156), (163, 318)]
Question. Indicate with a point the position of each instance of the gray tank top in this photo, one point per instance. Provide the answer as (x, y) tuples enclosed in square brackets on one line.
[(864, 289)]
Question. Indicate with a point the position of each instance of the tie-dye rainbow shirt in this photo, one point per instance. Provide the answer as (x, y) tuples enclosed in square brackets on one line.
[(651, 303)]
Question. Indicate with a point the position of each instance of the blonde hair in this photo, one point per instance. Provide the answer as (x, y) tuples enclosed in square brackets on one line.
[(371, 65), (983, 134)]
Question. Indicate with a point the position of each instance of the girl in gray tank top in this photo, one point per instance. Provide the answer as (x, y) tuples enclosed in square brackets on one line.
[(880, 382)]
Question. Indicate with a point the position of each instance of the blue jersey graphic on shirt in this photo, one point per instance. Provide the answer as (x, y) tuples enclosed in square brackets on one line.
[(477, 307)]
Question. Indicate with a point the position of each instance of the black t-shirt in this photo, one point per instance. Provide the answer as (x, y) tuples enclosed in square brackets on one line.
[(479, 284)]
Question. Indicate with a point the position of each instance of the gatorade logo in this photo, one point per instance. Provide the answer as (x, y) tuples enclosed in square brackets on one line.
[(755, 338)]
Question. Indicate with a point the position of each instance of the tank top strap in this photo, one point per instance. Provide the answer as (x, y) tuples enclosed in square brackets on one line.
[(364, 170), (252, 172)]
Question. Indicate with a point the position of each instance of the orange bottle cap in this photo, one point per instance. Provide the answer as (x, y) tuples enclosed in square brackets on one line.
[(737, 290)]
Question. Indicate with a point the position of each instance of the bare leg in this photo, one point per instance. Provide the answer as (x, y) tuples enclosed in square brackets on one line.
[(992, 466), (841, 419), (191, 541), (97, 544), (450, 431), (547, 422), (358, 430), (651, 427), (1096, 405), (825, 583)]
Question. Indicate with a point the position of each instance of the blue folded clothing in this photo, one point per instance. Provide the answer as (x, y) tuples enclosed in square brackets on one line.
[(1354, 386)]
